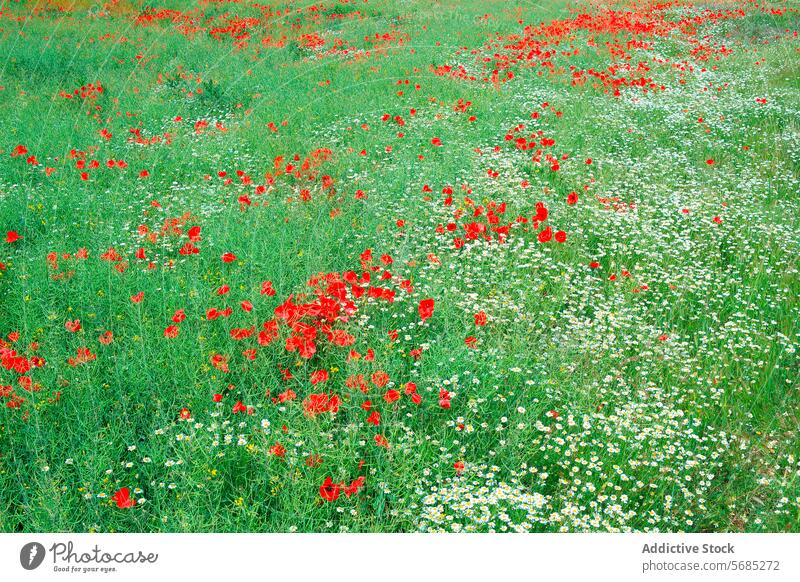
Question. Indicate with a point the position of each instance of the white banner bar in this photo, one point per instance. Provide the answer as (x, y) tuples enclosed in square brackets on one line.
[(332, 557)]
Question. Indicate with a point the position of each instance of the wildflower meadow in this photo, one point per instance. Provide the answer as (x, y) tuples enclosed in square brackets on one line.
[(399, 266)]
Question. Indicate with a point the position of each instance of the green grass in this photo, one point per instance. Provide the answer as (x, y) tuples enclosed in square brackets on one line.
[(570, 414)]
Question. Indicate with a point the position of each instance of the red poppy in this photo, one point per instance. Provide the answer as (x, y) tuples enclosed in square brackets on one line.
[(188, 249), (541, 213), (313, 460), (238, 333), (426, 309), (391, 396), (545, 235), (316, 404), (123, 498), (354, 486), (319, 376), (374, 418), (380, 378), (330, 490)]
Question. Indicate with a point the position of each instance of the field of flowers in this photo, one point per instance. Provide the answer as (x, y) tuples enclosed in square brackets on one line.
[(409, 265)]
